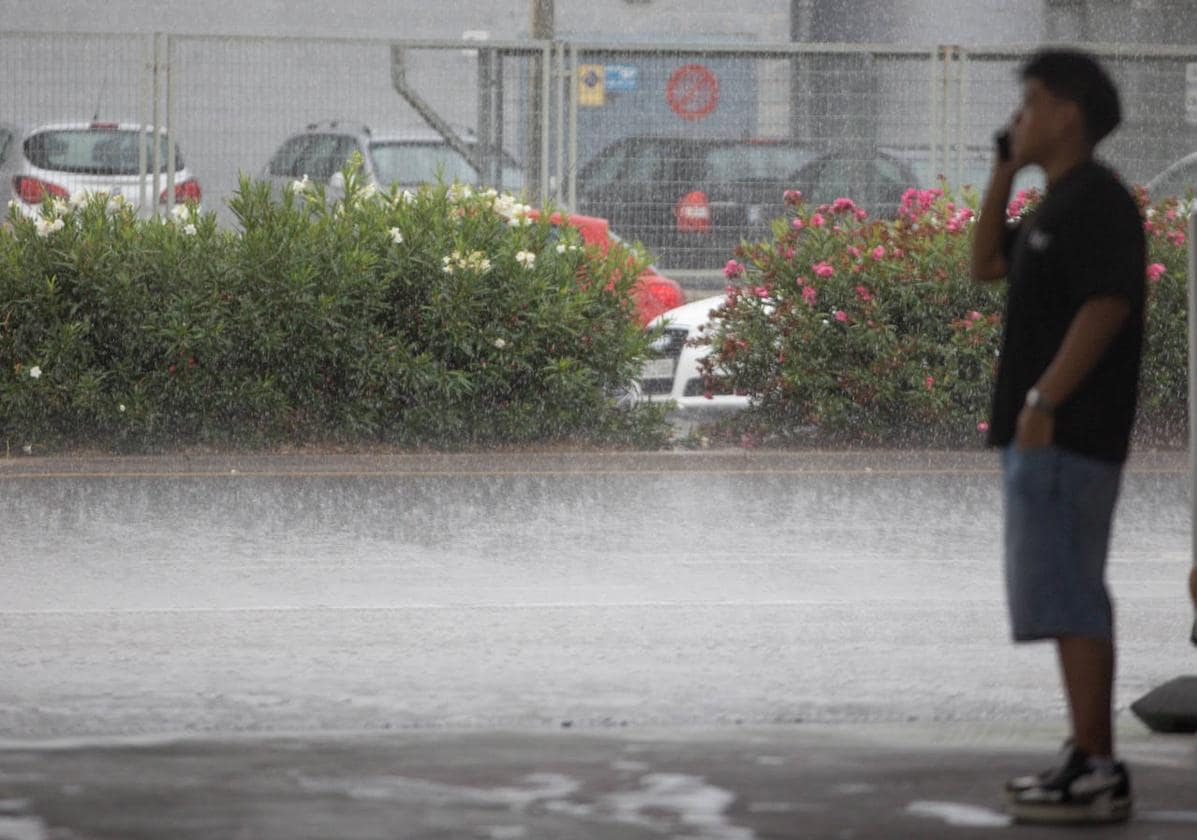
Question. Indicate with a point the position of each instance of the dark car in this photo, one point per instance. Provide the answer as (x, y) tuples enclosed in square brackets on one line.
[(690, 201), (873, 179)]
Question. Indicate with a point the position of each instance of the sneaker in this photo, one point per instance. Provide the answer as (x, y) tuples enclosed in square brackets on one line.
[(1073, 792), (1023, 783)]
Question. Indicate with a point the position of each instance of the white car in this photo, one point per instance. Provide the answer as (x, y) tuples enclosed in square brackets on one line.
[(674, 375), (406, 159), (58, 161)]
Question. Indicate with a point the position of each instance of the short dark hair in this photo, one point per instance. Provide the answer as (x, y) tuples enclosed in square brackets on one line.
[(1077, 77)]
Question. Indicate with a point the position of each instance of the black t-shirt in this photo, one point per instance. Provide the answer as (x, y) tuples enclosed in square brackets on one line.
[(1085, 240)]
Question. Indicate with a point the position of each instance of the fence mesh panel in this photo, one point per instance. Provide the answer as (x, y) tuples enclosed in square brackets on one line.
[(687, 150)]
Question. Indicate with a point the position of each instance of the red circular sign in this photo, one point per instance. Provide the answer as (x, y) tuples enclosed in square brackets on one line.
[(692, 91)]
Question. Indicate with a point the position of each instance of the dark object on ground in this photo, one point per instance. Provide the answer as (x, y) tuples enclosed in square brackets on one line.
[(1170, 708)]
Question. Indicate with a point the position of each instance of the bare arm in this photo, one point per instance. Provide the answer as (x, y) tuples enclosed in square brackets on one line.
[(988, 260)]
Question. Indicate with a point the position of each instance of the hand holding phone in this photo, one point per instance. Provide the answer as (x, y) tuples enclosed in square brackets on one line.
[(1002, 140)]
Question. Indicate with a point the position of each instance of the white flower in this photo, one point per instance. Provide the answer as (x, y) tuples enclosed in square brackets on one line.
[(826, 322), (500, 343), (560, 247), (180, 212), (526, 258), (121, 408), (78, 198), (189, 229), (116, 203), (302, 185), (459, 192), (14, 205), (396, 236), (367, 192), (45, 226), (35, 372), (407, 196), (1150, 212)]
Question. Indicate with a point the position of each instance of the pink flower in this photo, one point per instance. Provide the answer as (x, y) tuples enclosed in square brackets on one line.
[(733, 269), (854, 251), (788, 253), (801, 281), (822, 269), (929, 382), (879, 252), (899, 253), (1177, 238), (863, 293), (793, 197), (861, 215), (974, 316), (1155, 271), (797, 224), (843, 205), (982, 427), (760, 291), (817, 220), (841, 316), (809, 295)]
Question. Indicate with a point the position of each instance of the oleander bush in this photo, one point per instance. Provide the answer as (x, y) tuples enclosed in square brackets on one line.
[(442, 318), (847, 330)]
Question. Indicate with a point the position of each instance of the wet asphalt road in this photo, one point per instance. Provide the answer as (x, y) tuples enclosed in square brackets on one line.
[(234, 594), (471, 611)]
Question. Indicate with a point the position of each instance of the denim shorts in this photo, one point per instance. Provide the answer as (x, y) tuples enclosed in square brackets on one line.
[(1059, 509)]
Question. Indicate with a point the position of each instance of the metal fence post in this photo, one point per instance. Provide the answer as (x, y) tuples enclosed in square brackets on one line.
[(933, 120), (559, 112), (572, 160), (170, 130), (143, 116), (1192, 290), (156, 120)]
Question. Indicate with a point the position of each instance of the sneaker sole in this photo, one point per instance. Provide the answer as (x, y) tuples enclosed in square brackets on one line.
[(1101, 811)]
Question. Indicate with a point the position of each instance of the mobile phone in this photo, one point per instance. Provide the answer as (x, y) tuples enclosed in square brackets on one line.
[(1002, 139)]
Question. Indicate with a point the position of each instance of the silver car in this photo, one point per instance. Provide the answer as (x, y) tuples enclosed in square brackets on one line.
[(58, 161), (405, 159)]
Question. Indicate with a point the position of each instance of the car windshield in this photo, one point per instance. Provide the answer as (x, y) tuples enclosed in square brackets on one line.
[(420, 163), (94, 151), (747, 161)]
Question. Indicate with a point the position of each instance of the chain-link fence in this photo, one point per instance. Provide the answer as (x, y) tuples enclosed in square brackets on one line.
[(685, 149)]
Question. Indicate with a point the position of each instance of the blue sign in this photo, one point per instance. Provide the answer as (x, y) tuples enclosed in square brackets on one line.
[(622, 78)]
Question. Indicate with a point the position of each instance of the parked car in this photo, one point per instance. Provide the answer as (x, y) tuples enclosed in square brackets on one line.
[(976, 166), (875, 180), (675, 374), (405, 159), (1178, 180), (653, 293), (61, 160), (690, 201)]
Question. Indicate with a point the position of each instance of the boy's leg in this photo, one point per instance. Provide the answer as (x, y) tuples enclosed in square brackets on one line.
[(1087, 667)]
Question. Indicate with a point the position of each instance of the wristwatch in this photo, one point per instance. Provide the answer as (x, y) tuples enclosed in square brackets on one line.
[(1037, 401)]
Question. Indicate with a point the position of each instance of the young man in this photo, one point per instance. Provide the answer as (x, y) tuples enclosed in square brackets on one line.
[(1064, 404)]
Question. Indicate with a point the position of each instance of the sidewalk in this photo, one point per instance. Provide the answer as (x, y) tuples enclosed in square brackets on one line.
[(883, 781)]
